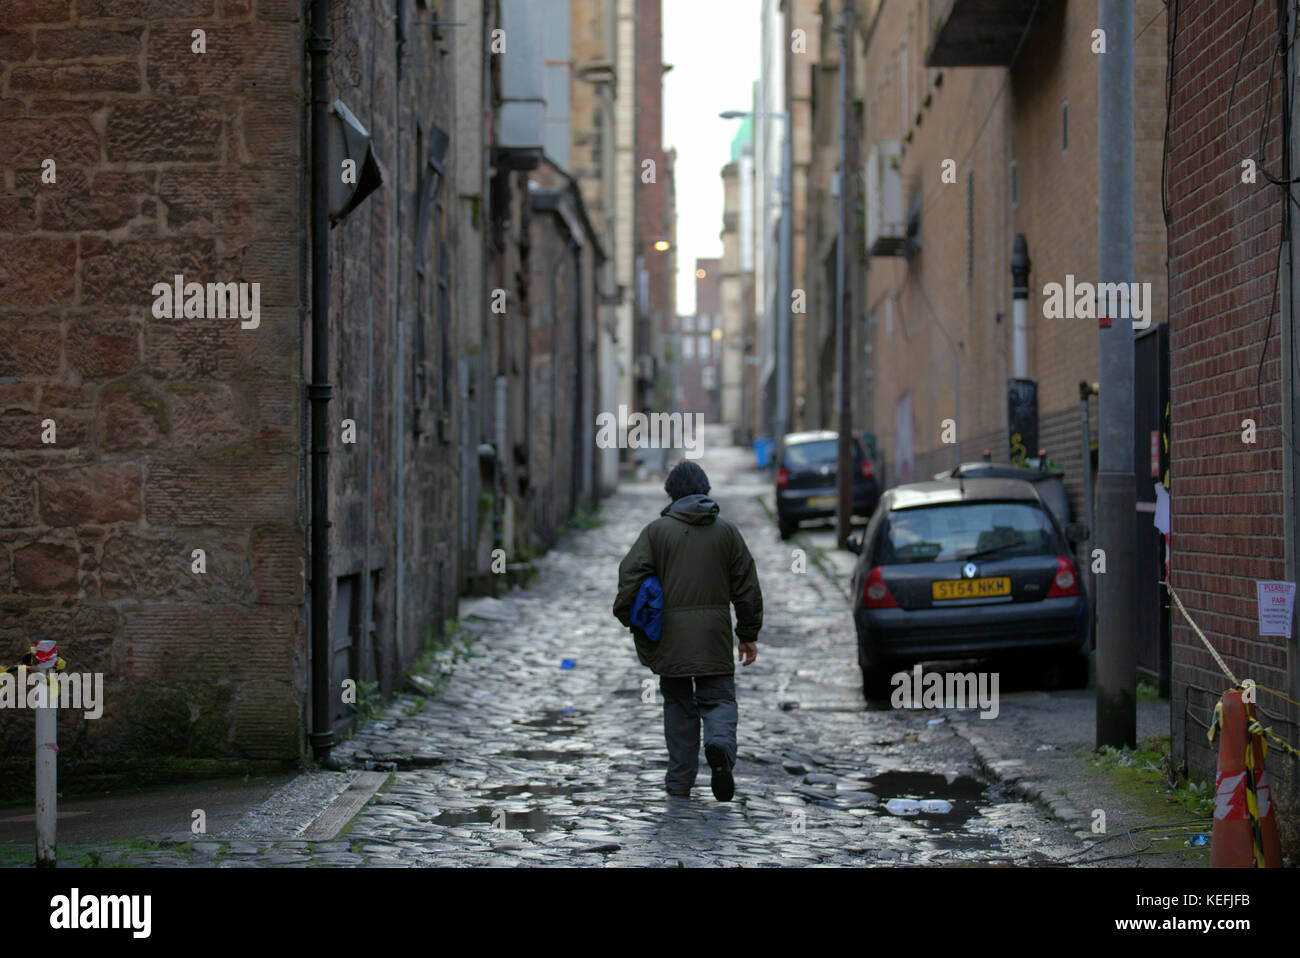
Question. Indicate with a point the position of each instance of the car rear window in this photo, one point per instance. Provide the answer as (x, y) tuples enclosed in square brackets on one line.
[(804, 454), (965, 530)]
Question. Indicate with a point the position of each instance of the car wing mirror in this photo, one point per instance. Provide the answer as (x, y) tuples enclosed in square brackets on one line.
[(854, 545)]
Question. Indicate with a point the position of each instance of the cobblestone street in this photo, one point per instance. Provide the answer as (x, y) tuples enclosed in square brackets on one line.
[(541, 748)]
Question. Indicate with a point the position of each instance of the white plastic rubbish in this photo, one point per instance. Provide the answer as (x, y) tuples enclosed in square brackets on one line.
[(911, 806)]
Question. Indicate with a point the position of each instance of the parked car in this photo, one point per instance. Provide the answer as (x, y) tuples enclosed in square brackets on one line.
[(805, 480), (967, 568), (1049, 483)]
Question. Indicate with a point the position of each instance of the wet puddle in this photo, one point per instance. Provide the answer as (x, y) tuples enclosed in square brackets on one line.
[(549, 755), (928, 799), (493, 813), (557, 721), (408, 763)]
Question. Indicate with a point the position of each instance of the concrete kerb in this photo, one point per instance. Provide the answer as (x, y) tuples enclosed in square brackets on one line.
[(814, 552), (1015, 774), (346, 806)]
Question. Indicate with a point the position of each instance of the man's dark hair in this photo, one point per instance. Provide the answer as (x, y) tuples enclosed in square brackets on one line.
[(686, 479)]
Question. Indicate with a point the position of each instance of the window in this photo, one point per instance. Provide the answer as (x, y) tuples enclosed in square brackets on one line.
[(1014, 186), (819, 452), (1065, 126), (964, 531), (805, 454), (688, 348)]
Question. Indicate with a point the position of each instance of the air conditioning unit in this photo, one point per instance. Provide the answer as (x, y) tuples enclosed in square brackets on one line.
[(522, 112), (886, 224)]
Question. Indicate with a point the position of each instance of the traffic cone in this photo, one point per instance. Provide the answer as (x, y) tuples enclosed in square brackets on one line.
[(1245, 830)]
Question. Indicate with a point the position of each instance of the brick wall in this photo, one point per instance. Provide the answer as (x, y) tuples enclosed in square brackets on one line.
[(172, 434), (561, 356), (652, 199), (924, 306), (189, 433), (983, 120), (805, 16), (1226, 495), (392, 295)]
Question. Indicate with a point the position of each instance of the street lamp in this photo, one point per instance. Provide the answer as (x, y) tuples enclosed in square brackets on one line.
[(783, 319)]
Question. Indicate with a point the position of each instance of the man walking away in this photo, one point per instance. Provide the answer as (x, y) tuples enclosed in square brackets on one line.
[(704, 567)]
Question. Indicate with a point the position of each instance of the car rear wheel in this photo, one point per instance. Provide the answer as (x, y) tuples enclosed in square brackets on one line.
[(788, 527), (875, 683), (876, 677)]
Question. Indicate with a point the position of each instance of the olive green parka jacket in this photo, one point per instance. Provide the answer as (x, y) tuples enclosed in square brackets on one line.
[(705, 567)]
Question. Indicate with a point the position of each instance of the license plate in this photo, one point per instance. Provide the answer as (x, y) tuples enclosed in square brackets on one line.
[(820, 502), (970, 588)]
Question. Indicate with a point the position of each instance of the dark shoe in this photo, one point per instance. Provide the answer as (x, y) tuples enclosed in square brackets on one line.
[(724, 786), (678, 794)]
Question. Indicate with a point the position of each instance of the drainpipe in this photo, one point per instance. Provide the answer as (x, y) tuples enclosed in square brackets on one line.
[(318, 390), (399, 485), (1020, 307)]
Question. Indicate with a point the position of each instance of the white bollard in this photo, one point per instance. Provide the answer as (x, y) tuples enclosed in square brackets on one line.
[(47, 753)]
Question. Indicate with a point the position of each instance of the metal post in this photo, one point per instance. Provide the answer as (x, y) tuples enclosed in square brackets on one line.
[(318, 391), (785, 282), (1087, 389), (956, 402), (1116, 486), (47, 728), (47, 754), (844, 297)]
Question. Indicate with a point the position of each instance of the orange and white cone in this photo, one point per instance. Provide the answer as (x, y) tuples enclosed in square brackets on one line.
[(1245, 829)]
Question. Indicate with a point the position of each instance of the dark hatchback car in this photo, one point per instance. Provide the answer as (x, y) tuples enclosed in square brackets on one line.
[(1050, 484), (967, 568), (805, 480)]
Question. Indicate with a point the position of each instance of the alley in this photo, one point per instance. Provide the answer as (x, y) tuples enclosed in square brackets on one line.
[(541, 748), (348, 345)]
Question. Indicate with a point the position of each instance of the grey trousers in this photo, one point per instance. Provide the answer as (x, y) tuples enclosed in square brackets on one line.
[(711, 699)]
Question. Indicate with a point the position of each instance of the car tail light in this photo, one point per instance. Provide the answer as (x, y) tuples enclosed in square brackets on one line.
[(875, 594), (783, 478), (867, 470), (1066, 580)]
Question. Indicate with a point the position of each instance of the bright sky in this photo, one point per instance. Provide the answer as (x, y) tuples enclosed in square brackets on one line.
[(714, 47)]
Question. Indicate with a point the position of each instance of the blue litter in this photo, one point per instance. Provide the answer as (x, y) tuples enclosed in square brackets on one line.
[(568, 711), (789, 706), (1199, 841), (568, 663)]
